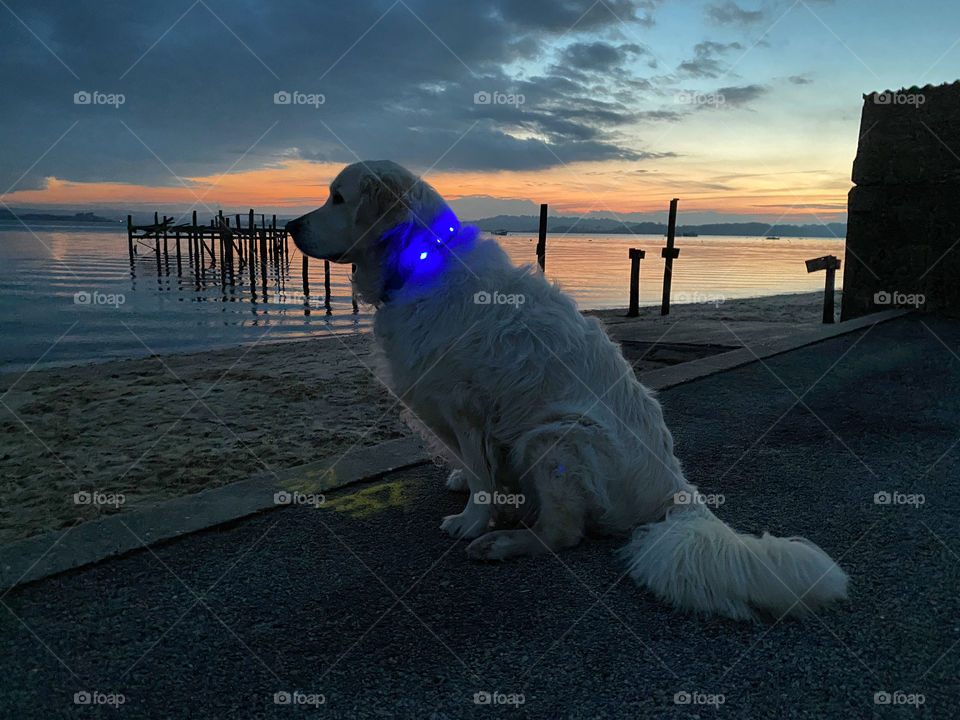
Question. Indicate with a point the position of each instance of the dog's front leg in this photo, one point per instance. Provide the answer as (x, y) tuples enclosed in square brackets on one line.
[(475, 518)]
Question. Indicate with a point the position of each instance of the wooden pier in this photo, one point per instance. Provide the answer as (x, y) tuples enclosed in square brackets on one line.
[(224, 248)]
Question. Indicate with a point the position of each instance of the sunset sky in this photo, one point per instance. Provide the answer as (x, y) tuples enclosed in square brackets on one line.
[(744, 110)]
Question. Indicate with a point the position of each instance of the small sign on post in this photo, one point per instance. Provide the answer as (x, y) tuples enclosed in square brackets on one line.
[(636, 255), (831, 264)]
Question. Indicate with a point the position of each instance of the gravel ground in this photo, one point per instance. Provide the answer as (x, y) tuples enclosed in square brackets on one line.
[(367, 603)]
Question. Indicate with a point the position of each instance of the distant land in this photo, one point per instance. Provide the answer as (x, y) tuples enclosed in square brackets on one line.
[(80, 217), (560, 225)]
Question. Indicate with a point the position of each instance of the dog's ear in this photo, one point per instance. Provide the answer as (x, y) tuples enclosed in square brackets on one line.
[(383, 198)]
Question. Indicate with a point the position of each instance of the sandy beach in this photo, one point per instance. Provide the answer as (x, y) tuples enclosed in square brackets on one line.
[(160, 427)]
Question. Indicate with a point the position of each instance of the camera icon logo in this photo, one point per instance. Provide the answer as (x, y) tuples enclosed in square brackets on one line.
[(81, 298), (682, 498), (682, 698), (482, 298), (282, 698), (282, 98), (82, 97), (282, 498), (482, 497), (481, 97), (482, 698), (82, 698), (82, 498), (882, 298), (884, 98), (882, 498), (881, 698)]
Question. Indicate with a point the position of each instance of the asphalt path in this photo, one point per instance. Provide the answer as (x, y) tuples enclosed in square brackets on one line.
[(364, 609)]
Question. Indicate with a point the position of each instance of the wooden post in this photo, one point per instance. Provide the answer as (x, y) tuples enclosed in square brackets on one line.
[(306, 280), (179, 264), (542, 240), (326, 284), (273, 243), (669, 253), (353, 269), (831, 264), (130, 237), (166, 253), (251, 249), (636, 255), (263, 255)]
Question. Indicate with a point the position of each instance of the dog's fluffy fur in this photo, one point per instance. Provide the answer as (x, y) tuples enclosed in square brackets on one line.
[(535, 399)]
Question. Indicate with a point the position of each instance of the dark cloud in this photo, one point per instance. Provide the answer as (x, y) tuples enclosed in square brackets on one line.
[(398, 82), (729, 13), (706, 61), (799, 80), (598, 56), (740, 96)]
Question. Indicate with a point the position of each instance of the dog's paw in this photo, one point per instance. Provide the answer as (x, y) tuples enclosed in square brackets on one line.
[(465, 525), (497, 545), (457, 481)]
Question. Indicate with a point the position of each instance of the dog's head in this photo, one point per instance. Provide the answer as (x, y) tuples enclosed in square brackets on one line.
[(367, 201)]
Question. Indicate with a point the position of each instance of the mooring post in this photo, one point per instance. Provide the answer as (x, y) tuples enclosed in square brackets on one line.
[(306, 281), (542, 239), (831, 264), (636, 255), (669, 253)]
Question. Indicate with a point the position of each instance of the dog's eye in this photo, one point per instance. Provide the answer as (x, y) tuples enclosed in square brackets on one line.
[(337, 198)]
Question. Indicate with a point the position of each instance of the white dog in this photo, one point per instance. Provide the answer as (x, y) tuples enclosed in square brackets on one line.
[(550, 428)]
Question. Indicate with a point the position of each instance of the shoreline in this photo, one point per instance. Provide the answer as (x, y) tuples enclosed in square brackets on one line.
[(163, 426), (609, 316)]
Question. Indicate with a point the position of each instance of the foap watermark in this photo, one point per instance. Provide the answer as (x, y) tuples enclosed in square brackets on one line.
[(95, 97), (698, 498), (483, 497), (97, 298), (296, 497), (695, 98), (496, 697), (96, 697), (714, 299), (898, 697), (698, 698), (899, 299), (94, 497), (495, 97), (295, 697), (899, 98), (295, 97), (898, 498), (498, 298)]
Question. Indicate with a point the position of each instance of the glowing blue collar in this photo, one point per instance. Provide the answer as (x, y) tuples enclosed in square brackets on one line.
[(417, 255)]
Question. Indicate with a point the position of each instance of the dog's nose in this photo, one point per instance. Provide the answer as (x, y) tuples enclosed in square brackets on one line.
[(294, 227)]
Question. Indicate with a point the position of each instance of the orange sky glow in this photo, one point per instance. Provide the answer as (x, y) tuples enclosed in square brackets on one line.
[(580, 187)]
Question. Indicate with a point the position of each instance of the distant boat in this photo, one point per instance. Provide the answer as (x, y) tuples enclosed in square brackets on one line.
[(499, 232), (773, 237)]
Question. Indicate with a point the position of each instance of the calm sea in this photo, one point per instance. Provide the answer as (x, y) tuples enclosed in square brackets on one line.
[(68, 295)]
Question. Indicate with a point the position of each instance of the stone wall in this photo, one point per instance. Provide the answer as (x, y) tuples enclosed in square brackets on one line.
[(903, 222)]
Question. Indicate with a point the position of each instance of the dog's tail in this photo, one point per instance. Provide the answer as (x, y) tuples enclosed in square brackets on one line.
[(694, 561)]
